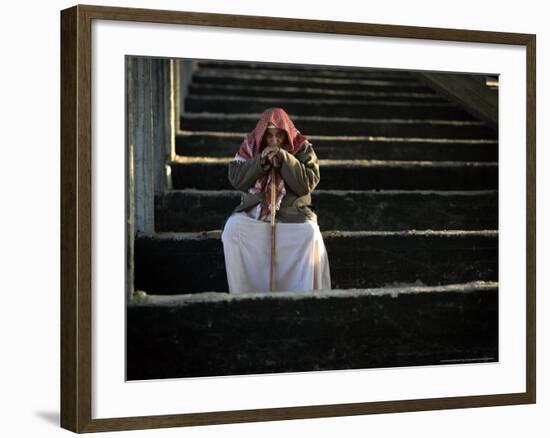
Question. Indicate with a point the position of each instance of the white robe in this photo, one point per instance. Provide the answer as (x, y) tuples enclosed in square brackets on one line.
[(301, 261)]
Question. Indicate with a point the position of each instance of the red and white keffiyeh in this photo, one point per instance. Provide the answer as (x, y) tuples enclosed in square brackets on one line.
[(252, 146)]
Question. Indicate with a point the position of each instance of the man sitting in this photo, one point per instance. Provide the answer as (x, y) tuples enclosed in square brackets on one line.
[(301, 260)]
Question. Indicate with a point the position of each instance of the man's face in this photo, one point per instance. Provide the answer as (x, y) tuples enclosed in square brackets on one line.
[(275, 137)]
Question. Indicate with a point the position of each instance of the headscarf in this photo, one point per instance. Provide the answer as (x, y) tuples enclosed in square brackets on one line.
[(252, 146)]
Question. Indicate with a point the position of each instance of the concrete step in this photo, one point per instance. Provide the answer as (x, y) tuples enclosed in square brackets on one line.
[(175, 263), (211, 174), (216, 334), (387, 210), (327, 107), (303, 70), (314, 126), (226, 144), (277, 79), (287, 92)]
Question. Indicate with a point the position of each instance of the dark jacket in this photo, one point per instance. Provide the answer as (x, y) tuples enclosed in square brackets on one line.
[(300, 173)]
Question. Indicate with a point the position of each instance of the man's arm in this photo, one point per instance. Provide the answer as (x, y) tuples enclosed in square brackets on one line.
[(242, 174), (300, 171)]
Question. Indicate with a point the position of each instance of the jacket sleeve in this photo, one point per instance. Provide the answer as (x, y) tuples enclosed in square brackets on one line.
[(300, 171), (242, 174)]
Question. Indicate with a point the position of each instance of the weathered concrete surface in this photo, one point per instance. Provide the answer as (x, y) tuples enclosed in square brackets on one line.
[(318, 92), (335, 125), (141, 134), (359, 260), (305, 70), (194, 262), (469, 91), (184, 69), (200, 210), (216, 144), (212, 335), (355, 175), (405, 210), (290, 80), (327, 107)]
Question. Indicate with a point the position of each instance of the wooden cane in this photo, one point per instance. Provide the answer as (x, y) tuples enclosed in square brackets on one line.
[(273, 199)]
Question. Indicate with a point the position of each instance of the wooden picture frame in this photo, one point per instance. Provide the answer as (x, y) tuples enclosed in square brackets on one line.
[(76, 218)]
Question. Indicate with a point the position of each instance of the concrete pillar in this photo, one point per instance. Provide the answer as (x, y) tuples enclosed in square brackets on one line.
[(151, 133), (151, 144), (130, 186), (141, 142)]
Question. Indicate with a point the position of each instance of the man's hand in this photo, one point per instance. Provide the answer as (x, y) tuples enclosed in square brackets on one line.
[(270, 153)]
